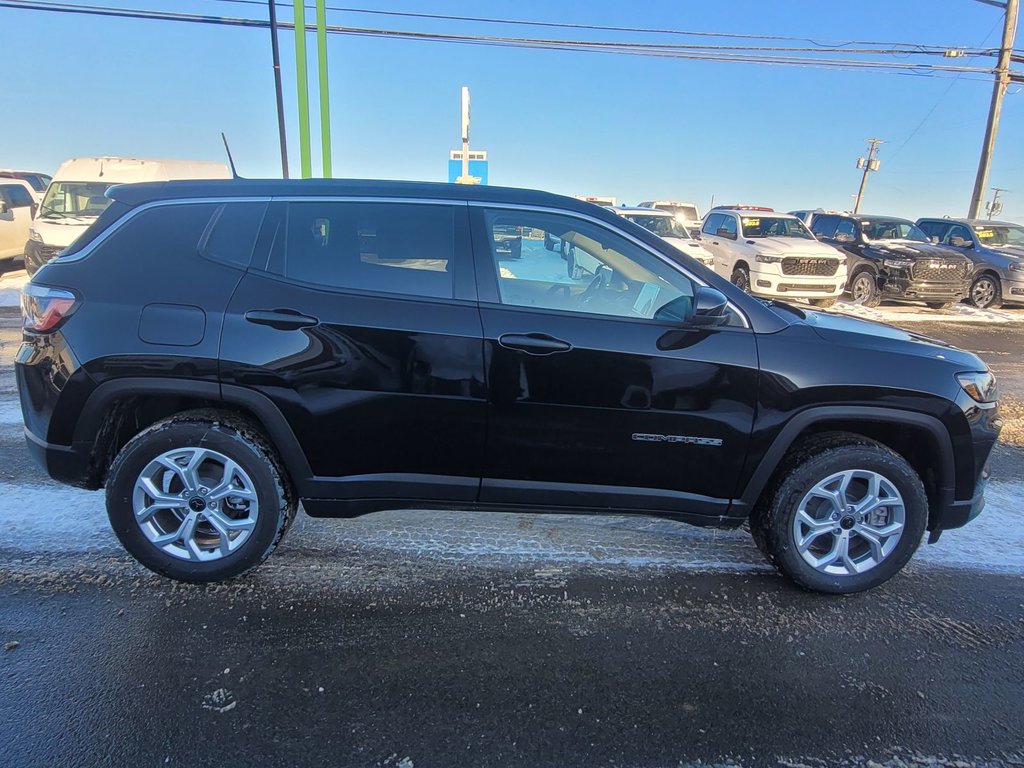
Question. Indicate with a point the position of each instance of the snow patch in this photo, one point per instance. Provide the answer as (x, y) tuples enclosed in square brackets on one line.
[(958, 313), (10, 413), (10, 288)]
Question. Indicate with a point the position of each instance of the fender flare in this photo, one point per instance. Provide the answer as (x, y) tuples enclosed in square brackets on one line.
[(945, 471)]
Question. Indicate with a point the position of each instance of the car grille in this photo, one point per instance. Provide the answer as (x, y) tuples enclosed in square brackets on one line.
[(938, 270), (803, 266), (47, 252)]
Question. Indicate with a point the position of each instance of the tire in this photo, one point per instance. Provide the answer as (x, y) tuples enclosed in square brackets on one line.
[(823, 303), (986, 292), (939, 304), (812, 464), (741, 278), (864, 289), (247, 533)]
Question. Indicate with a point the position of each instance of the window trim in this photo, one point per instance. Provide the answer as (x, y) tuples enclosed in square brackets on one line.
[(482, 251)]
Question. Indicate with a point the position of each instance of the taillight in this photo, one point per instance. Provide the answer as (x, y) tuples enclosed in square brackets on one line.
[(43, 308)]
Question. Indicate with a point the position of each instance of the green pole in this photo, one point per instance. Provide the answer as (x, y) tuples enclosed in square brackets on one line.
[(325, 104), (302, 85)]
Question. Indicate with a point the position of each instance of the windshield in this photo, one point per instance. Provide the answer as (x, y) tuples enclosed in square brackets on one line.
[(662, 226), (892, 229), (74, 198), (1001, 235), (687, 212), (774, 226)]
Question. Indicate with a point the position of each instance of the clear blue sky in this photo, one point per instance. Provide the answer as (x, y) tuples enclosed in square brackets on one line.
[(575, 123)]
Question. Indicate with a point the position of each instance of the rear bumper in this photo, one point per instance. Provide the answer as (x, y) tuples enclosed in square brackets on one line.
[(64, 463)]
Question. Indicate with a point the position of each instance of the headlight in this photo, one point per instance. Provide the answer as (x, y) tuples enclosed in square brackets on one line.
[(35, 236), (1017, 266), (981, 386), (768, 259), (897, 263)]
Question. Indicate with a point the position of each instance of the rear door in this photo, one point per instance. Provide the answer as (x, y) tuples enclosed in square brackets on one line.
[(14, 223), (593, 401), (361, 326)]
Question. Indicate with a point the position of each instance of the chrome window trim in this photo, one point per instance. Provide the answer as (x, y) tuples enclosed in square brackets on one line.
[(643, 246), (87, 250)]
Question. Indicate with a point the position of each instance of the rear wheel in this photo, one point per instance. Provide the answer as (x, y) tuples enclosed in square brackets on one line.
[(864, 289), (741, 278), (842, 515), (986, 292), (939, 304), (200, 496)]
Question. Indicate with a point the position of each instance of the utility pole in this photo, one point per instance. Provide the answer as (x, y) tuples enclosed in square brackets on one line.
[(465, 178), (276, 53), (869, 164), (995, 207), (995, 108)]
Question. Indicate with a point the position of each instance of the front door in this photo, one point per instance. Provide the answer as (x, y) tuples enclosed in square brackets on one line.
[(593, 400), (362, 327), (15, 221)]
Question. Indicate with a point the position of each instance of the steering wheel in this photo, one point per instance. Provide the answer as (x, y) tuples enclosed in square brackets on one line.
[(598, 284)]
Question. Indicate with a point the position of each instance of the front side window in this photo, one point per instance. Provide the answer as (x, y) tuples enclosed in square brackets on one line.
[(19, 196), (824, 226), (548, 261), (712, 223), (727, 228), (400, 248), (846, 231), (962, 235), (73, 199), (933, 228), (774, 226)]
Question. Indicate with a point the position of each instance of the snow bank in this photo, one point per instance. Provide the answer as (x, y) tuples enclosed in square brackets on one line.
[(10, 288)]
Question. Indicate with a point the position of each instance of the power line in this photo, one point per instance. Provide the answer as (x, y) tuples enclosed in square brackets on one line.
[(623, 48)]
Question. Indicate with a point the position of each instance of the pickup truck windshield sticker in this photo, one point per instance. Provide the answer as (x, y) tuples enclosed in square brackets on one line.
[(985, 233)]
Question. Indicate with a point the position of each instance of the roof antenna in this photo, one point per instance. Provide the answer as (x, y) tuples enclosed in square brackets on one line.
[(231, 162)]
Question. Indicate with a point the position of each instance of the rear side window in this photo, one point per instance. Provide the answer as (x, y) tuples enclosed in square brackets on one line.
[(400, 248), (824, 226), (231, 233), (166, 232)]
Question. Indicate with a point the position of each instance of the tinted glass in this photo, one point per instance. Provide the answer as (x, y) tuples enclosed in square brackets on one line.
[(727, 227), (387, 247), (892, 229), (713, 222), (167, 232), (824, 226), (232, 231), (933, 228), (19, 197), (112, 213), (958, 230), (847, 229), (546, 261)]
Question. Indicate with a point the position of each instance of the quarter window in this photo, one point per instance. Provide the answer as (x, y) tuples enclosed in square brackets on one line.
[(231, 233), (385, 247), (547, 261)]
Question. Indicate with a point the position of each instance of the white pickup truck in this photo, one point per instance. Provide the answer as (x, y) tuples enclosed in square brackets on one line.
[(773, 254)]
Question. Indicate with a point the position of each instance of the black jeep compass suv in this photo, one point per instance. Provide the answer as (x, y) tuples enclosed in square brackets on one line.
[(215, 352)]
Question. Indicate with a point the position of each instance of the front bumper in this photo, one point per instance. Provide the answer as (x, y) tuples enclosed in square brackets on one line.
[(796, 286), (37, 254), (1013, 290), (902, 287)]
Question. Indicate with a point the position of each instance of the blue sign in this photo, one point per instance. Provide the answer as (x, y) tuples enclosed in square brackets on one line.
[(477, 168)]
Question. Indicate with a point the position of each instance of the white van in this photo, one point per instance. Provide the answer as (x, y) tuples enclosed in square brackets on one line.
[(686, 214), (76, 196)]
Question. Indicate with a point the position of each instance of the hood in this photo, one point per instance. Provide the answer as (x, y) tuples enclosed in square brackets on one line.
[(915, 250), (852, 331), (1010, 251), (60, 233), (793, 246), (689, 247)]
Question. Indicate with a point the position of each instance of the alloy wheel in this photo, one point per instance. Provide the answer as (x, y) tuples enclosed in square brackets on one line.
[(983, 292), (195, 504), (849, 522), (863, 288)]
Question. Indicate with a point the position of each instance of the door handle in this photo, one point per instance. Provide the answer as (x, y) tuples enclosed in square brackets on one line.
[(534, 343), (281, 319)]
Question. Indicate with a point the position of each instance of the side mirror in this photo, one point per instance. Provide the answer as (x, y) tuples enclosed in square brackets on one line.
[(723, 232), (959, 242), (933, 239), (709, 306), (4, 208), (843, 237)]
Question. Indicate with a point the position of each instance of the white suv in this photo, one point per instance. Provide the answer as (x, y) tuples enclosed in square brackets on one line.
[(773, 254), (666, 226)]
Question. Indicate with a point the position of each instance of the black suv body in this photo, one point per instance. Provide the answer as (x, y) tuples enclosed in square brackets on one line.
[(996, 250), (888, 258), (211, 352)]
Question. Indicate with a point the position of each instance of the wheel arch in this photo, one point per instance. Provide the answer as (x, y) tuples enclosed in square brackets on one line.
[(118, 410), (919, 438)]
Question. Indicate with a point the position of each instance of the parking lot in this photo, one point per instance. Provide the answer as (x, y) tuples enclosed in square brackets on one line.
[(445, 638)]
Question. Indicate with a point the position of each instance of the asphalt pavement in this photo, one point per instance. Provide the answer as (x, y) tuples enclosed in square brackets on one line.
[(454, 639)]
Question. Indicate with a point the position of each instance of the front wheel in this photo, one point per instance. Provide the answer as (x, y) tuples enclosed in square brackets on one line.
[(843, 514), (986, 292), (741, 278), (198, 497), (864, 290)]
